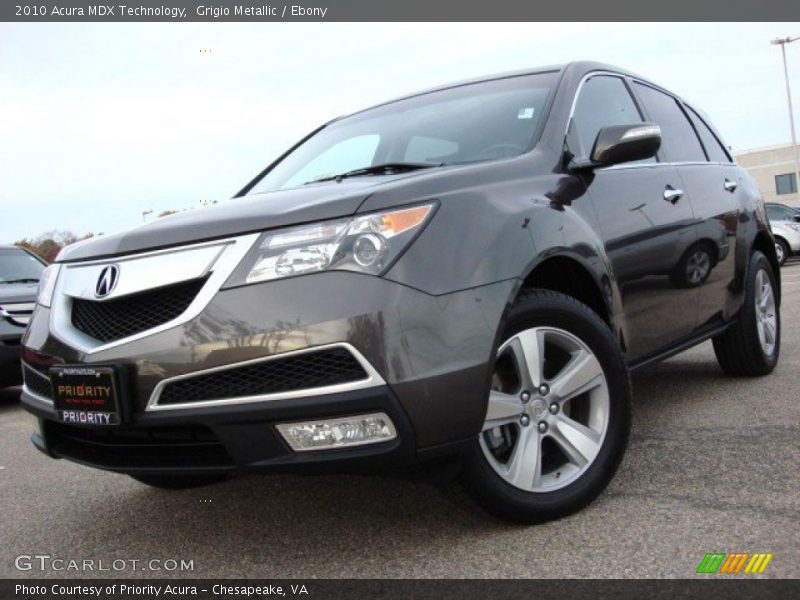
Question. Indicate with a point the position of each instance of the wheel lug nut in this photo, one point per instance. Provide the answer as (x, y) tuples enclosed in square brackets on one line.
[(542, 426), (553, 408), (544, 389), (525, 396), (524, 420)]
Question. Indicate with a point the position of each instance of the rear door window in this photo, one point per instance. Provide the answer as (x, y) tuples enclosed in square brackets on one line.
[(679, 142)]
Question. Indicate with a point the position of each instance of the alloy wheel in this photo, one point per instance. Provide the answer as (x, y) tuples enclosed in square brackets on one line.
[(766, 314), (548, 410), (779, 252), (698, 267)]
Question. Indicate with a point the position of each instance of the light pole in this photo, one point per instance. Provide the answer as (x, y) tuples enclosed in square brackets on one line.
[(782, 43), (150, 211)]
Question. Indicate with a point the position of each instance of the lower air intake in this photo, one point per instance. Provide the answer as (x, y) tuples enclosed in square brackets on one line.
[(298, 372)]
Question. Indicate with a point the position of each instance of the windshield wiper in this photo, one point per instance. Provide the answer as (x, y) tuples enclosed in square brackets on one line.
[(23, 280), (381, 169)]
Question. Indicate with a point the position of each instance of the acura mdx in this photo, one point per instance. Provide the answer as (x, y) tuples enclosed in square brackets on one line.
[(464, 276)]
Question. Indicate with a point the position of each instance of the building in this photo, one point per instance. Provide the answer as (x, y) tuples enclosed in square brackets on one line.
[(773, 170)]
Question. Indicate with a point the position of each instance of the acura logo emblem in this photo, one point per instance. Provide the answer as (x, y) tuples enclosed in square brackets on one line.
[(107, 281)]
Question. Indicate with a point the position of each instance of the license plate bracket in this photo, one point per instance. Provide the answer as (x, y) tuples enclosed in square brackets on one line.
[(84, 395)]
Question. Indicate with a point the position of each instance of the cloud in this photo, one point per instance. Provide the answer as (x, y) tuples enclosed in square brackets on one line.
[(102, 121)]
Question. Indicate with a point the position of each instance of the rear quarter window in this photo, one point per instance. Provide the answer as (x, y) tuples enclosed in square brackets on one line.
[(715, 150)]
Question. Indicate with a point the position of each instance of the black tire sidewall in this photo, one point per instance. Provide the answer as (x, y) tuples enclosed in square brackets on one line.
[(509, 502), (748, 314)]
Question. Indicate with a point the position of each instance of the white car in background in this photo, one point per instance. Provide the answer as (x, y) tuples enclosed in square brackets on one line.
[(785, 223)]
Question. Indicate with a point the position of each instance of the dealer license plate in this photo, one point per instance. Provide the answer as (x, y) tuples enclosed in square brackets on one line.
[(85, 395)]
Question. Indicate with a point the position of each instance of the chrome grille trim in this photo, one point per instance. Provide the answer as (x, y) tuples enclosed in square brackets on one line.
[(29, 371), (373, 379), (215, 260), (19, 313)]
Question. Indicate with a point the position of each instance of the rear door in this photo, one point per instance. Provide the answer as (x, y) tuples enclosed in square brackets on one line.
[(719, 209), (711, 184), (644, 220)]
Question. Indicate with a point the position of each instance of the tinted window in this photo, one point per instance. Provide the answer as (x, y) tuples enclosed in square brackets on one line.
[(776, 212), (345, 156), (785, 184), (716, 152), (19, 266), (602, 101), (428, 149), (679, 142), (469, 123)]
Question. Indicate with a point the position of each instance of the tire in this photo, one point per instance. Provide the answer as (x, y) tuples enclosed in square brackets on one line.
[(694, 267), (10, 375), (740, 350), (178, 482), (572, 334), (782, 250)]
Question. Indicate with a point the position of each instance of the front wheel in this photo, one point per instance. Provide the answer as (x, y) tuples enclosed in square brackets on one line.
[(558, 414)]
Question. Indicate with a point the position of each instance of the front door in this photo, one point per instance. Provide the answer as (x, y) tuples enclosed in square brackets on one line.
[(644, 218)]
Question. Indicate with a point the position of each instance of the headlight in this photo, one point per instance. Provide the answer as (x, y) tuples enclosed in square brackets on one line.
[(47, 283), (366, 243)]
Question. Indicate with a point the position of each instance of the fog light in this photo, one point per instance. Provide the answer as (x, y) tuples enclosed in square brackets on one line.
[(338, 433)]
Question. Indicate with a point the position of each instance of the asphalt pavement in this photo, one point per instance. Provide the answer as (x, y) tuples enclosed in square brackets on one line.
[(712, 467)]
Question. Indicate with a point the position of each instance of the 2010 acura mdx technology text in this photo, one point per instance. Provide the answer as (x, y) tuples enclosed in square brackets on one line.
[(465, 276)]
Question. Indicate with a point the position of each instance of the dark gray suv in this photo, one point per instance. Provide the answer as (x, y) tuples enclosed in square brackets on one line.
[(465, 276)]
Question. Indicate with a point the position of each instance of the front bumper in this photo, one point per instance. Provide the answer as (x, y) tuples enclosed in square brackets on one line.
[(433, 356), (240, 438)]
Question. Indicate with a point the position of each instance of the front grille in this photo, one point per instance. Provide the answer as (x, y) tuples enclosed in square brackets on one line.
[(119, 447), (301, 371), (121, 317), (37, 382)]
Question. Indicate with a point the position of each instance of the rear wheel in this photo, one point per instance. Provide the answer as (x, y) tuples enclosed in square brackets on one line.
[(558, 415), (751, 346), (178, 482)]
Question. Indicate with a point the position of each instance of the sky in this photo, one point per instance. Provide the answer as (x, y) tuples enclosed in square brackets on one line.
[(101, 122)]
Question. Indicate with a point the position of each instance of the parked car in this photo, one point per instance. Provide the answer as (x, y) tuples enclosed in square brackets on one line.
[(464, 276), (20, 271), (785, 223)]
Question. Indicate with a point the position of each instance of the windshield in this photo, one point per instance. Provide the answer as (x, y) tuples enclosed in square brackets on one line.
[(470, 123), (17, 266)]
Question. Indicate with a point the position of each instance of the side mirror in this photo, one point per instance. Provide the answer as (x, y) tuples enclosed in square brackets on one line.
[(624, 143), (797, 218)]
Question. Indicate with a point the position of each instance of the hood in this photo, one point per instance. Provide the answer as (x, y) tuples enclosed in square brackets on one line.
[(233, 217), (18, 292)]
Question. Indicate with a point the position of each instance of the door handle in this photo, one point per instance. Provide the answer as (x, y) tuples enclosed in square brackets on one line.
[(672, 195), (730, 186)]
